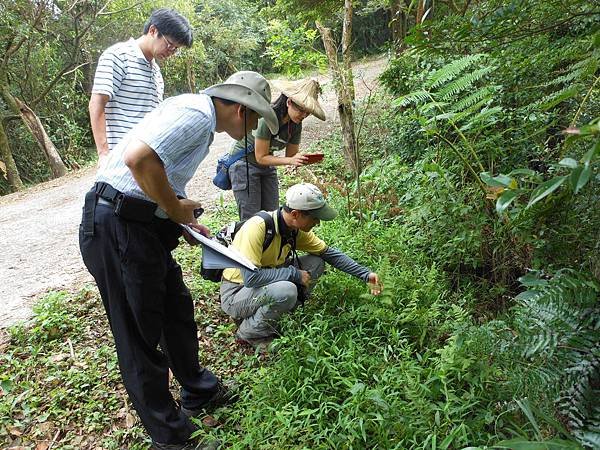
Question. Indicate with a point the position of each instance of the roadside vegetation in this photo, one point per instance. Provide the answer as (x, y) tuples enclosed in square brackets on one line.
[(478, 205)]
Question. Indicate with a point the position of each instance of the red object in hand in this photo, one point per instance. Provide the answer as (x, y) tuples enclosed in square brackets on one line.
[(313, 157)]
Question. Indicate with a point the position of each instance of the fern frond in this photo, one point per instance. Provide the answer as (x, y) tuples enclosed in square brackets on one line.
[(482, 119), (462, 83), (473, 109), (557, 325), (553, 99), (579, 70), (416, 98), (485, 92), (437, 106), (452, 70)]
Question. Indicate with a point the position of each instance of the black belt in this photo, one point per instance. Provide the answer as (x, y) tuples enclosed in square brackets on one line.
[(106, 191), (125, 206)]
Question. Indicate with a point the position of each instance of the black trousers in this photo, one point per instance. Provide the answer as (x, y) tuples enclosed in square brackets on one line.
[(147, 304)]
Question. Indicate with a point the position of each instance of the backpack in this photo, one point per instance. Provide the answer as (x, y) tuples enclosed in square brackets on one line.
[(226, 236)]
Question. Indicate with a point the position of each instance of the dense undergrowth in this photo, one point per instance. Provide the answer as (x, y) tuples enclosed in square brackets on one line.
[(481, 216)]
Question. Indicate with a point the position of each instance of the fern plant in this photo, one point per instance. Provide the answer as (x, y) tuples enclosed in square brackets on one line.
[(454, 102), (557, 322), (569, 83)]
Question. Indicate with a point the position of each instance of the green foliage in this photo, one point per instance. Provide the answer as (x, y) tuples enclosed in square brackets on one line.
[(292, 48), (579, 173), (231, 34), (60, 373), (453, 106), (557, 325)]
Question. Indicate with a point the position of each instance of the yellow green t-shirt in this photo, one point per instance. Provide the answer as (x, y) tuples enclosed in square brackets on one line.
[(249, 242)]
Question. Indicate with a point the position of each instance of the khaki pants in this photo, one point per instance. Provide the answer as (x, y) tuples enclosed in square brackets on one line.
[(260, 308)]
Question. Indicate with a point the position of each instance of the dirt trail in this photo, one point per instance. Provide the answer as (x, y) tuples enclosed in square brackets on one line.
[(39, 226)]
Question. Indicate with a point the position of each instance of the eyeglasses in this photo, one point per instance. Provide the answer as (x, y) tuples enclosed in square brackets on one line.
[(170, 46)]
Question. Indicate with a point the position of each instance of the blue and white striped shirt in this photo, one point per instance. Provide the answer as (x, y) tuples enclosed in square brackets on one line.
[(133, 84), (179, 130)]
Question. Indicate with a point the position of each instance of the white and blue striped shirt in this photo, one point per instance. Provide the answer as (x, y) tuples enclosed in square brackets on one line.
[(133, 84), (179, 130)]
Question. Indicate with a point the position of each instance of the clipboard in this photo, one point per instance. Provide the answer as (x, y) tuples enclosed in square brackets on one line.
[(217, 256)]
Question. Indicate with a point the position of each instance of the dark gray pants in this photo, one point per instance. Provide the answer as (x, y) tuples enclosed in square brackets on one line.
[(260, 308), (147, 304), (264, 188)]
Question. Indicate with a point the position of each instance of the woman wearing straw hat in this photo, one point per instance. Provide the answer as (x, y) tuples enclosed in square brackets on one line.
[(254, 178)]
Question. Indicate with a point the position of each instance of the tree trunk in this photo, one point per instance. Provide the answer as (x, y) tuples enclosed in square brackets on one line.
[(12, 173), (191, 75), (420, 11), (341, 76), (35, 127), (398, 24), (346, 47), (33, 123)]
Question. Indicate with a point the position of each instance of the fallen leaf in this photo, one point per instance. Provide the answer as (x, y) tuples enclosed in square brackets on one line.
[(42, 445), (15, 431), (46, 427), (77, 440), (210, 421), (59, 357), (493, 192), (129, 420)]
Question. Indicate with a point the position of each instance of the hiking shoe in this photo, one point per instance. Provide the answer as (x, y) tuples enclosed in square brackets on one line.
[(256, 343), (189, 445), (223, 396)]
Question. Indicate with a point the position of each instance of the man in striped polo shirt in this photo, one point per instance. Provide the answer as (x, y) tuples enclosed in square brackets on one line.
[(129, 227), (128, 82)]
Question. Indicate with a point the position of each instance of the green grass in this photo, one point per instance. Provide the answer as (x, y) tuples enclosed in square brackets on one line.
[(407, 369)]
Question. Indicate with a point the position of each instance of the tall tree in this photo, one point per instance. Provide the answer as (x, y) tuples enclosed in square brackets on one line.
[(46, 28), (324, 13)]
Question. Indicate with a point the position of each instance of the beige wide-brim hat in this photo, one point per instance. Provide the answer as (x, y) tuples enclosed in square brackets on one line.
[(250, 89), (305, 93)]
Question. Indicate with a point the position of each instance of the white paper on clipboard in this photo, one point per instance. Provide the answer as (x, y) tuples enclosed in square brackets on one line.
[(217, 256)]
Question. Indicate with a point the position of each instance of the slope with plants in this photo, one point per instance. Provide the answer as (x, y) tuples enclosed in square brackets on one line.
[(478, 206)]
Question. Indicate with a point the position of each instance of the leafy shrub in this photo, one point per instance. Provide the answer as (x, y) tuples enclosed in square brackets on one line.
[(292, 48)]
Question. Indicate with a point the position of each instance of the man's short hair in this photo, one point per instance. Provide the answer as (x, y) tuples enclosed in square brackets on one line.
[(287, 209), (225, 101), (170, 23)]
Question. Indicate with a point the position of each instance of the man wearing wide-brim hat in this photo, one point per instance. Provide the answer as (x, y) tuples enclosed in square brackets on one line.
[(254, 178), (129, 227)]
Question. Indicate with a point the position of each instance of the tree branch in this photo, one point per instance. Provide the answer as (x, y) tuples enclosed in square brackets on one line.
[(109, 13)]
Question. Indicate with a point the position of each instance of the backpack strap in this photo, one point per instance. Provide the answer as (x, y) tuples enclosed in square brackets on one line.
[(269, 228)]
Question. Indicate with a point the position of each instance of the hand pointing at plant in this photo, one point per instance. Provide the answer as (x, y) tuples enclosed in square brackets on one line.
[(374, 284)]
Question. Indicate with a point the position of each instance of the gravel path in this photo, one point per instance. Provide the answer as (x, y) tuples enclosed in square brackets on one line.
[(39, 226)]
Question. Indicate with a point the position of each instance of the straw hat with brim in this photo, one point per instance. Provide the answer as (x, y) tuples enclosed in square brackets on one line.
[(250, 89), (305, 93)]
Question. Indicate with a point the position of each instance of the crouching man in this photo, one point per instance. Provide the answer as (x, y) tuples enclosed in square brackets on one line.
[(256, 300)]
